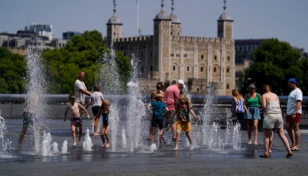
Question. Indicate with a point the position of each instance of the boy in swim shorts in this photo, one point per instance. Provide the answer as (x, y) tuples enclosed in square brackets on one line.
[(76, 121)]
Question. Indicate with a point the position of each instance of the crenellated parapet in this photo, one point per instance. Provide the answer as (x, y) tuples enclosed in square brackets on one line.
[(198, 39), (134, 39)]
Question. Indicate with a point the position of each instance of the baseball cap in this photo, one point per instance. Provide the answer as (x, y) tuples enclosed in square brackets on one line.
[(293, 80)]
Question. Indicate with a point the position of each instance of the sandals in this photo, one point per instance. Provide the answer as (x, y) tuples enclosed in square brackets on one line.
[(294, 149)]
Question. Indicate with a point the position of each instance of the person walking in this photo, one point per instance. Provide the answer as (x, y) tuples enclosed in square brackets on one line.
[(294, 111), (170, 99), (252, 112), (97, 100), (237, 106), (272, 119)]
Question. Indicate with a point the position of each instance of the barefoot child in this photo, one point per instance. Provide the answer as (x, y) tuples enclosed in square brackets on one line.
[(27, 120), (76, 121), (157, 109), (104, 111), (182, 110)]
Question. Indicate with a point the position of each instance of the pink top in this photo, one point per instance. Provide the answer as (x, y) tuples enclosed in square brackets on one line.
[(172, 93)]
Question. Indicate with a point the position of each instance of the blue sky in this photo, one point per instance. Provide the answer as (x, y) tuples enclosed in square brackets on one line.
[(282, 19)]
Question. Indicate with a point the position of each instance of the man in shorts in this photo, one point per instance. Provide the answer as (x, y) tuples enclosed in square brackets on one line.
[(170, 99), (294, 111), (80, 89)]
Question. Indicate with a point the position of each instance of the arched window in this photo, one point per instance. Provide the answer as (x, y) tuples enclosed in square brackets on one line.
[(228, 86), (151, 68), (173, 68), (227, 70), (202, 57), (171, 33), (215, 69), (197, 89), (188, 68), (201, 69), (178, 34), (114, 33), (215, 58), (228, 58)]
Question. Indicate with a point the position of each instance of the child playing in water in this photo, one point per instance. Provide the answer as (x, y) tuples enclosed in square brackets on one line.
[(157, 108), (104, 111), (28, 116), (76, 121), (182, 110)]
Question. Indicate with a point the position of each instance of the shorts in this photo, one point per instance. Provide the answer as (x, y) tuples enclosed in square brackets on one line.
[(158, 123), (27, 119), (168, 120), (183, 126), (296, 120), (254, 113), (272, 121), (77, 122), (95, 110)]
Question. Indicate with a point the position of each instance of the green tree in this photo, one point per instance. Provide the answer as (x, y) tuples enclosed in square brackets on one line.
[(274, 63), (12, 72), (80, 54)]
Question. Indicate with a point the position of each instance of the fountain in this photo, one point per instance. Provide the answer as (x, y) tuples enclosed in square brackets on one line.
[(5, 144), (36, 85), (87, 143), (55, 148), (109, 80), (46, 144), (64, 147), (135, 109), (124, 140)]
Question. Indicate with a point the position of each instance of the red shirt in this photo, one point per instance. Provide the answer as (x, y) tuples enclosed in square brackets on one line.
[(172, 93)]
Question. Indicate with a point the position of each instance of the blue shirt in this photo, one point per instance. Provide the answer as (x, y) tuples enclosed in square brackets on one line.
[(158, 109)]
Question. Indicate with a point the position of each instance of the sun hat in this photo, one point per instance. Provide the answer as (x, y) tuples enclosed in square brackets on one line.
[(293, 80), (252, 86), (182, 83)]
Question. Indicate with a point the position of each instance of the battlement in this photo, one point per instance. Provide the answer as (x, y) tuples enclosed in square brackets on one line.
[(197, 39), (134, 39)]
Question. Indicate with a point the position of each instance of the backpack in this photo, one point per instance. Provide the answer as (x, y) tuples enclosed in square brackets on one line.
[(240, 106)]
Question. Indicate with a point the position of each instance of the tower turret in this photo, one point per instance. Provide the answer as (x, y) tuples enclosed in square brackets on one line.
[(114, 27), (176, 27), (225, 25)]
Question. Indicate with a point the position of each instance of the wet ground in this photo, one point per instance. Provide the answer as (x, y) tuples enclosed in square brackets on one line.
[(165, 161)]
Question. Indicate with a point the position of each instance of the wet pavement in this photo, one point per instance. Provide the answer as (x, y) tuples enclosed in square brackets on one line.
[(165, 161)]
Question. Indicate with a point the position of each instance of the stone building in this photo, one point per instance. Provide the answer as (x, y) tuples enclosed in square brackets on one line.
[(167, 55)]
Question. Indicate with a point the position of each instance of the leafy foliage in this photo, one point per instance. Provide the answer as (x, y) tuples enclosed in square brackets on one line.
[(274, 63), (62, 65), (12, 72)]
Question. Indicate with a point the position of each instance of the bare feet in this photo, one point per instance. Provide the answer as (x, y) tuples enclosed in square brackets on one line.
[(104, 145), (256, 144), (289, 155), (107, 145), (176, 148), (249, 142), (263, 156), (19, 148), (269, 151)]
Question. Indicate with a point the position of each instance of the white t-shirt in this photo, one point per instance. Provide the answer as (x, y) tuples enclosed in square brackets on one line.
[(80, 95), (292, 100), (97, 98)]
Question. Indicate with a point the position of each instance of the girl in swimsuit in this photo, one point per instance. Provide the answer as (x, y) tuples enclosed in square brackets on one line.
[(104, 111)]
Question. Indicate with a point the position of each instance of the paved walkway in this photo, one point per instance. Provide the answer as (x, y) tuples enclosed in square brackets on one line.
[(201, 161)]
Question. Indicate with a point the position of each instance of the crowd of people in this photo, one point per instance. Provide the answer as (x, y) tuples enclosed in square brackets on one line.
[(247, 108), (172, 109)]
